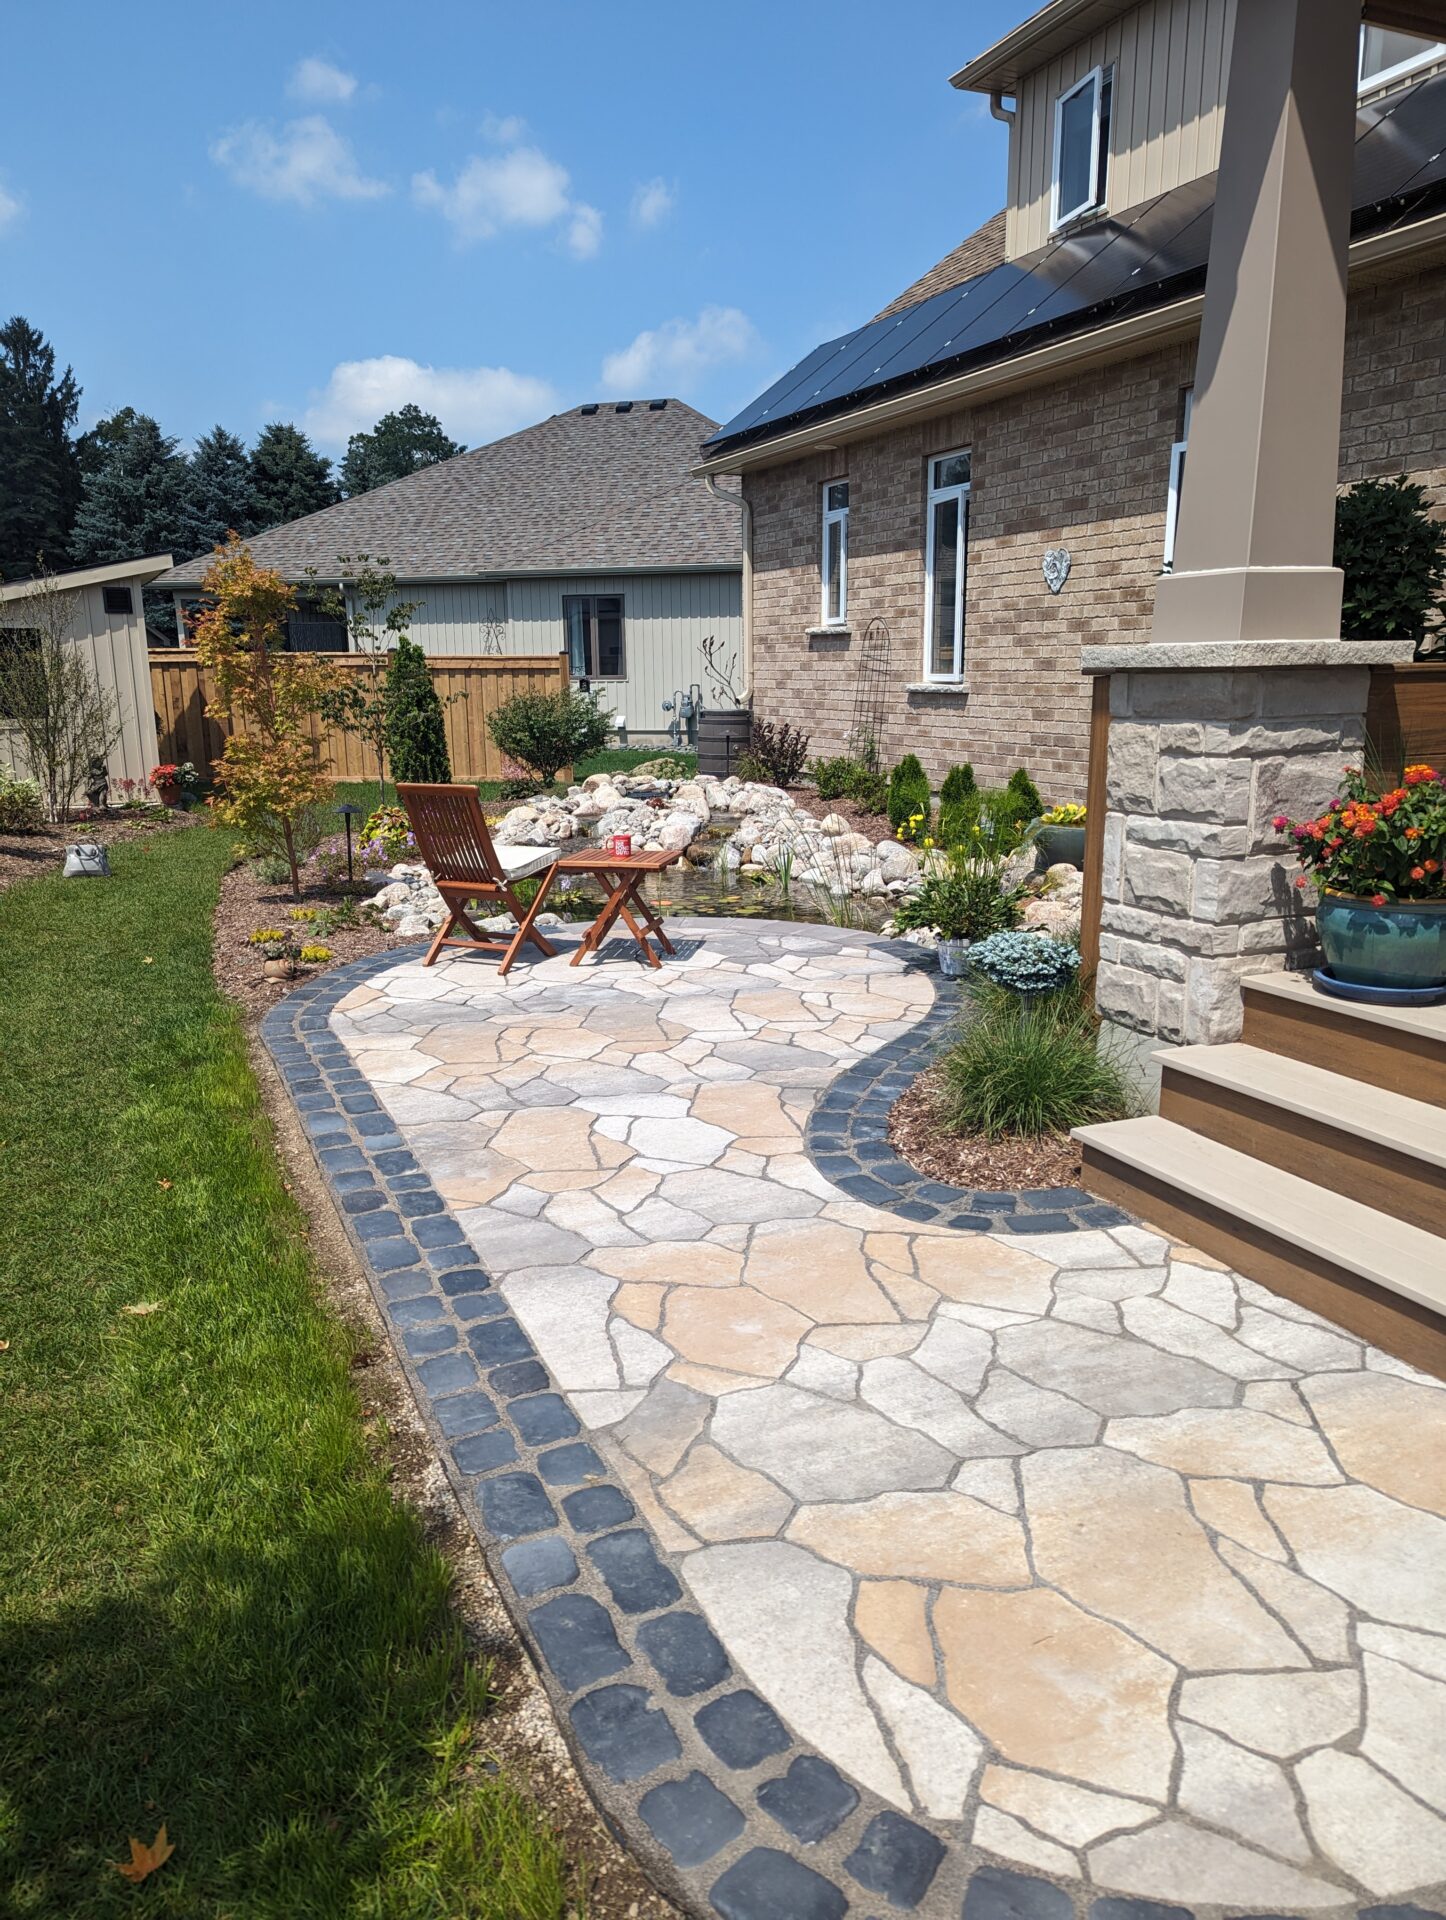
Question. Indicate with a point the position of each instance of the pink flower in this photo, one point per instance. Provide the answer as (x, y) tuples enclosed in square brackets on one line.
[(1300, 882), (1280, 823)]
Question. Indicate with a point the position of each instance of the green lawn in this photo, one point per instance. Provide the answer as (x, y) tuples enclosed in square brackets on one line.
[(212, 1615), (610, 760)]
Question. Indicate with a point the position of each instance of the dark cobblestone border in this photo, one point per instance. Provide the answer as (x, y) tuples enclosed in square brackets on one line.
[(846, 1138), (693, 1770)]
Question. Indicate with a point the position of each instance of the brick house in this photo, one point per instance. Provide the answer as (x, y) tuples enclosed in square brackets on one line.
[(1032, 393)]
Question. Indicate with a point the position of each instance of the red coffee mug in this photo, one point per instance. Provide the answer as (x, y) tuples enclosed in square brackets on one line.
[(622, 846)]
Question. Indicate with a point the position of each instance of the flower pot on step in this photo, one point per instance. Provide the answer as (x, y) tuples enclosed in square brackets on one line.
[(1398, 946)]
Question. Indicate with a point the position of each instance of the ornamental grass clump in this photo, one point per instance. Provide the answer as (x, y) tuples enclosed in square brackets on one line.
[(1026, 963), (1376, 846), (1027, 1066)]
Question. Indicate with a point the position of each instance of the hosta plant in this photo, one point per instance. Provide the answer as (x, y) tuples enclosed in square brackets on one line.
[(1376, 846)]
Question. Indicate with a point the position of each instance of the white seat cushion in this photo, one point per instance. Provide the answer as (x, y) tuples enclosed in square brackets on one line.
[(519, 862)]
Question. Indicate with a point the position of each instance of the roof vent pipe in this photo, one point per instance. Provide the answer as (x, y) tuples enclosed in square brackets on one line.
[(998, 108)]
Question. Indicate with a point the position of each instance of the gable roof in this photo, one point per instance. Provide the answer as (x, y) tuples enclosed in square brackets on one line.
[(144, 571), (592, 490), (1118, 267)]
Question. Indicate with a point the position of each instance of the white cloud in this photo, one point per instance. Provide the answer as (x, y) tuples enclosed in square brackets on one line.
[(9, 209), (505, 129), (584, 231), (320, 81), (306, 162), (519, 188), (473, 403), (678, 351), (653, 201)]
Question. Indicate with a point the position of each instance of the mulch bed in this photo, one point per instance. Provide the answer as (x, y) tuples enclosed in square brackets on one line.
[(29, 856), (875, 825), (247, 903), (1009, 1164)]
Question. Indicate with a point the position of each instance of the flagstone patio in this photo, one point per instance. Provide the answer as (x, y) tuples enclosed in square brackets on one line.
[(1064, 1550)]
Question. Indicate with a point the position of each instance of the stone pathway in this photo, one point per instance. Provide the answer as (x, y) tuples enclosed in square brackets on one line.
[(1038, 1568)]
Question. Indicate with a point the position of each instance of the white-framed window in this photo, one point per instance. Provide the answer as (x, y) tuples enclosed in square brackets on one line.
[(946, 559), (834, 561), (1388, 55), (1177, 476), (1082, 146)]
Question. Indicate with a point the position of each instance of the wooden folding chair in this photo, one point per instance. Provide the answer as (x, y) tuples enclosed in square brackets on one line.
[(465, 864)]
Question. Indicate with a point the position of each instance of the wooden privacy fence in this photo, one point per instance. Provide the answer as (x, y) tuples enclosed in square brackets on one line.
[(181, 690)]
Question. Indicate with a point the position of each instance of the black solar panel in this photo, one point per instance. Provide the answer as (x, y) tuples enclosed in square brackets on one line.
[(1154, 252)]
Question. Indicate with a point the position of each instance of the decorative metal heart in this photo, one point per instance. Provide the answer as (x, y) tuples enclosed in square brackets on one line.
[(1057, 564)]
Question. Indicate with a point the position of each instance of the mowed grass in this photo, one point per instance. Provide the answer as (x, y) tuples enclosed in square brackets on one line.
[(212, 1615)]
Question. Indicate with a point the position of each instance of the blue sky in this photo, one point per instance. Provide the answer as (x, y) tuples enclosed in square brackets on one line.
[(317, 212)]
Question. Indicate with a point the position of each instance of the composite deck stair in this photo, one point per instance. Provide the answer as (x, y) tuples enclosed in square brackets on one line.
[(1311, 1155)]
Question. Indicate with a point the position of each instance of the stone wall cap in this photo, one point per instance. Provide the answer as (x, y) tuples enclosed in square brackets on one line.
[(1229, 656)]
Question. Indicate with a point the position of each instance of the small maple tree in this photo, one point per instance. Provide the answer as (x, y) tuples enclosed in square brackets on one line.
[(271, 769)]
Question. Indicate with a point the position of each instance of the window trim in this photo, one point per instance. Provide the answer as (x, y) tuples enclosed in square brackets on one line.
[(1428, 56), (1178, 450), (839, 517), (960, 490), (1061, 216), (590, 601)]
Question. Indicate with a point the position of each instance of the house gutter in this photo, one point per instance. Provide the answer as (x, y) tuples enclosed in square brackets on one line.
[(710, 480), (1177, 320)]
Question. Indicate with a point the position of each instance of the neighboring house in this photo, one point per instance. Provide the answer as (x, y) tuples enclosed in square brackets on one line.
[(1031, 394), (586, 534), (109, 632)]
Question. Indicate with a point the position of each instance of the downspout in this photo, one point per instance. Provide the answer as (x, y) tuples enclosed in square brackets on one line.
[(710, 480), (998, 108)]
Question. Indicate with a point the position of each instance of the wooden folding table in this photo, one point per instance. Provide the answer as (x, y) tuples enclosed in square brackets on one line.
[(621, 877)]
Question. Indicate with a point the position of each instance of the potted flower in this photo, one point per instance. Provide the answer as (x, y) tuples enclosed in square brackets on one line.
[(1060, 835), (961, 900), (175, 782), (1377, 860)]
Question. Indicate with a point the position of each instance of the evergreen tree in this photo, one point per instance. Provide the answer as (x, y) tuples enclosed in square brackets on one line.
[(97, 443), (137, 500), (39, 471), (289, 478), (416, 735), (221, 497), (1025, 795), (397, 445), (909, 799), (958, 804)]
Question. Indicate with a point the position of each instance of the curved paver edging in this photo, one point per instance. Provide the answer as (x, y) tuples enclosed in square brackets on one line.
[(847, 1140), (730, 1813)]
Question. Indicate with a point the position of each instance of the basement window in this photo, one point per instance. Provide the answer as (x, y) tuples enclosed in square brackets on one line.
[(1082, 146), (835, 561)]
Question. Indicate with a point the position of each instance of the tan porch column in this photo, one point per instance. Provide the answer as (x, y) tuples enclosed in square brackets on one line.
[(1253, 551)]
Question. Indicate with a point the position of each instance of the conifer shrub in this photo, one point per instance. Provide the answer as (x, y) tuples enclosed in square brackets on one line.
[(416, 731), (910, 802)]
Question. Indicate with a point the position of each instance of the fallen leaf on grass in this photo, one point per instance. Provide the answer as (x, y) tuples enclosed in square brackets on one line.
[(4, 1346), (163, 1183), (148, 961), (144, 1859), (144, 1306)]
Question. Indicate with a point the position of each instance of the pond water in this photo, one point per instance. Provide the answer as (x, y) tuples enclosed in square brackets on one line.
[(715, 891)]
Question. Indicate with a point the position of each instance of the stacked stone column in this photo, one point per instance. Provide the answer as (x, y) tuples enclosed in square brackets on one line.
[(1207, 745)]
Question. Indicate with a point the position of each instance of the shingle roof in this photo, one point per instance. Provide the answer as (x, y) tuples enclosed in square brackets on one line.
[(983, 249), (582, 491)]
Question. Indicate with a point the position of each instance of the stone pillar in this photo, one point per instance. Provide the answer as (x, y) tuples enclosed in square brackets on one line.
[(1207, 745)]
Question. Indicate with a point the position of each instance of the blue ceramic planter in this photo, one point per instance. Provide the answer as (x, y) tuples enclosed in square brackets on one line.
[(1061, 846), (1401, 945)]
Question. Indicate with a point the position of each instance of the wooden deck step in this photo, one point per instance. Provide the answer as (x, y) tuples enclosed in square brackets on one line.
[(1355, 1137), (1401, 1049), (1368, 1271)]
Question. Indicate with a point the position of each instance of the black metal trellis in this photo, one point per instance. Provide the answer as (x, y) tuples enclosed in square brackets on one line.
[(871, 695)]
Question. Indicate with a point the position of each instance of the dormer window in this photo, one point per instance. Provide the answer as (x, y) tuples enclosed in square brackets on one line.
[(1082, 146), (1387, 55)]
